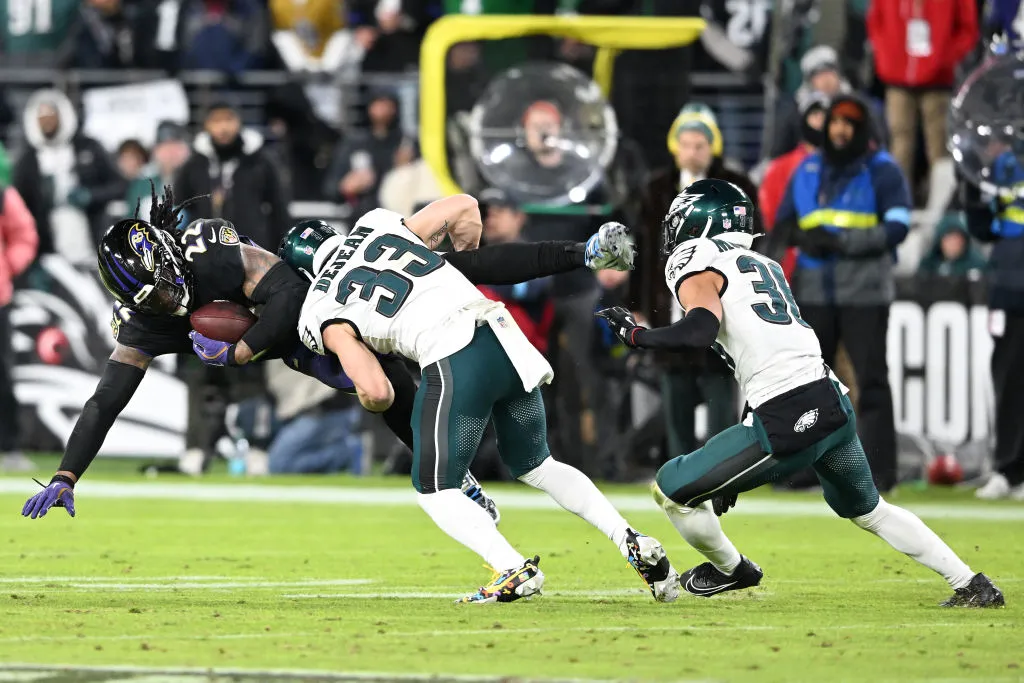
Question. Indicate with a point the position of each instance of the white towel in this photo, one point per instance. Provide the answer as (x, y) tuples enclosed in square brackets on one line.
[(531, 365)]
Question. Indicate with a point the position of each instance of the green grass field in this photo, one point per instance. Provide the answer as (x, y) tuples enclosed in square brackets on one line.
[(319, 574)]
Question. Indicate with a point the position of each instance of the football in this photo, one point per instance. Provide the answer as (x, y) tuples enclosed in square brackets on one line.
[(224, 321), (945, 471)]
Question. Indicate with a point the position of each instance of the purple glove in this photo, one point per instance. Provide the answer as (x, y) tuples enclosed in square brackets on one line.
[(211, 351), (327, 369), (60, 493)]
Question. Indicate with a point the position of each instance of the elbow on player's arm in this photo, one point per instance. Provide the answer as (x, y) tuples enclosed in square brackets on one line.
[(372, 385), (457, 216)]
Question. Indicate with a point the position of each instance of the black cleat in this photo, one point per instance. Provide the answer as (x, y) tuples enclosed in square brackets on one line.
[(980, 592), (705, 580)]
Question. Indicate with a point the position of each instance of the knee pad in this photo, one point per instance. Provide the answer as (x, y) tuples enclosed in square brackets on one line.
[(666, 503), (872, 520)]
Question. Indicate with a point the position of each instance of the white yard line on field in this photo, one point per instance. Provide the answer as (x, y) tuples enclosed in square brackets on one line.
[(31, 584), (520, 500), (208, 673)]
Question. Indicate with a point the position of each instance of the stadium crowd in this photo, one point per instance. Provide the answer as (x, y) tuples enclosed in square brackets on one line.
[(889, 72)]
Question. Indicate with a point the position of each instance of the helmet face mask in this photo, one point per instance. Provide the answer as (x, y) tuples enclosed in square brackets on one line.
[(143, 269), (706, 208)]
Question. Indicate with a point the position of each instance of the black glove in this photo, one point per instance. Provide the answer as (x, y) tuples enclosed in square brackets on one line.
[(622, 323), (721, 504), (818, 242)]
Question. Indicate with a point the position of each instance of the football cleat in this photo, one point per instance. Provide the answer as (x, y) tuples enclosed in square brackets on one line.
[(508, 586), (471, 487), (648, 558), (980, 592), (705, 580)]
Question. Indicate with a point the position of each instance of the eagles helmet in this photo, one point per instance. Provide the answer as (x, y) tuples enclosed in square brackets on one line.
[(299, 247), (142, 267), (706, 208)]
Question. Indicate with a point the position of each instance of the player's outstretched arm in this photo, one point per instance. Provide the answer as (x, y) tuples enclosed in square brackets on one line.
[(372, 386), (611, 247), (457, 216), (121, 377), (699, 297)]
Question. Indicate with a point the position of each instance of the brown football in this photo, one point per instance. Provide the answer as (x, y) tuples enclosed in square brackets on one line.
[(224, 321)]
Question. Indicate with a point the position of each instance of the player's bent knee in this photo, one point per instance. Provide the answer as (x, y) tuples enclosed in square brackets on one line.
[(533, 474), (676, 487), (872, 519)]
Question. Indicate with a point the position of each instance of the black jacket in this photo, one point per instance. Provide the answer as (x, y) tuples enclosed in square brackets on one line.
[(648, 292), (248, 191), (92, 166), (1006, 262)]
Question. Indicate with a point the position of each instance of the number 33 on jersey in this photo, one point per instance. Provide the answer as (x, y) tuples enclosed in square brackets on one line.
[(762, 337)]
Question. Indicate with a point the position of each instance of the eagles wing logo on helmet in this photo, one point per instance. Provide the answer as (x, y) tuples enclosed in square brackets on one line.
[(142, 245), (684, 200)]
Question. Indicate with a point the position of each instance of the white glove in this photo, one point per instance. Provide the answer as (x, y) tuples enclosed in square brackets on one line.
[(610, 247)]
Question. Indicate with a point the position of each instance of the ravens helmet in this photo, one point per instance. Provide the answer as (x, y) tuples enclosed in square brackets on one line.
[(706, 208), (142, 267), (300, 245)]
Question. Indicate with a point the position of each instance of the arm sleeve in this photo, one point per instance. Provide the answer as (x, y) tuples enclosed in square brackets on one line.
[(509, 264), (399, 416), (698, 328), (116, 388), (281, 292), (892, 202)]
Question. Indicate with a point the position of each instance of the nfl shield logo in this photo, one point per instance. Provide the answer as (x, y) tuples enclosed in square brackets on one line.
[(727, 223), (501, 322)]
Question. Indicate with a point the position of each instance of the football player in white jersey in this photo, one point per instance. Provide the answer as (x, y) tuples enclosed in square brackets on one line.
[(739, 302), (382, 288)]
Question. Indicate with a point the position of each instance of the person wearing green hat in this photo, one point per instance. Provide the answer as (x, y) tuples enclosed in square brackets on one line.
[(696, 376), (952, 253), (18, 244)]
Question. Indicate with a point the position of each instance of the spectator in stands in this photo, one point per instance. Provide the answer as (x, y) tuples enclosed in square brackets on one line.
[(30, 36), (999, 222), (222, 35), (112, 34), (170, 151), (363, 158), (320, 426), (389, 31), (66, 178), (132, 158), (776, 177), (529, 303), (847, 209), (311, 35), (691, 378), (410, 183), (821, 74), (918, 46), (952, 254), (244, 185), (18, 244)]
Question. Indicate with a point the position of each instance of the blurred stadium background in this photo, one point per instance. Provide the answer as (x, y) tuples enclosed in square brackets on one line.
[(329, 94)]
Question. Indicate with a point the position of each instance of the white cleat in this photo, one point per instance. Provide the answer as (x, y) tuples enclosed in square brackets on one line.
[(995, 488), (648, 558)]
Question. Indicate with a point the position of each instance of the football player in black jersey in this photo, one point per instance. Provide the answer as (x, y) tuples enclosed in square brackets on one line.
[(158, 278)]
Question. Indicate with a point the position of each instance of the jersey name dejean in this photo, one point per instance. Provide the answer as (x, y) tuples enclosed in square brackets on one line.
[(348, 247)]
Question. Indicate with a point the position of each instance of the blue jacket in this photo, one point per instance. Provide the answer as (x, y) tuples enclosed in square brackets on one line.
[(1004, 225), (867, 204)]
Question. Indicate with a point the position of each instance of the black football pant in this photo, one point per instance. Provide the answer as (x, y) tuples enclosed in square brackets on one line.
[(8, 402), (1008, 381), (863, 331)]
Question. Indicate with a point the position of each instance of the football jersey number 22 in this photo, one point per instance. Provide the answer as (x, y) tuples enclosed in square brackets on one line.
[(783, 309), (366, 280)]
